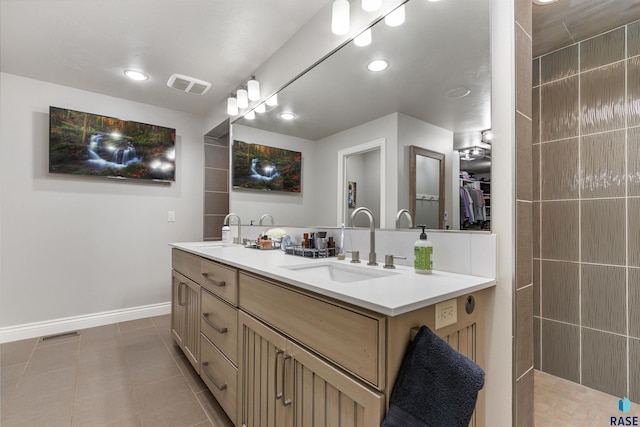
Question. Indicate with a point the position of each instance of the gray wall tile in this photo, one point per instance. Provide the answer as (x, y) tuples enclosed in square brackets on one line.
[(524, 330), (560, 289), (561, 350), (524, 245), (535, 72), (559, 169), (602, 50), (559, 64), (633, 161), (633, 91), (559, 109), (216, 203), (216, 156), (634, 303), (535, 176), (523, 14), (535, 115), (603, 295), (213, 227), (523, 72), (523, 158), (633, 39), (634, 374), (604, 365), (536, 229), (633, 207), (524, 400), (602, 99), (603, 224), (536, 343), (602, 160), (559, 229), (536, 287), (216, 180)]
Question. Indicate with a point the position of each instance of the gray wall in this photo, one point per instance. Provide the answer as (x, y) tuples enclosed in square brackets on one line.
[(586, 157)]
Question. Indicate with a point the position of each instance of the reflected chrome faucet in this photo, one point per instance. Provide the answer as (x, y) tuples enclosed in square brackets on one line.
[(399, 216), (265, 216), (372, 232), (225, 222)]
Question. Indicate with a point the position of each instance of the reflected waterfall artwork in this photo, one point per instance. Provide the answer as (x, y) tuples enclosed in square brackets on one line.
[(260, 167)]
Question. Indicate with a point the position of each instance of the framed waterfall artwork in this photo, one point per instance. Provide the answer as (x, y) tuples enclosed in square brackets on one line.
[(351, 194), (259, 167), (89, 144)]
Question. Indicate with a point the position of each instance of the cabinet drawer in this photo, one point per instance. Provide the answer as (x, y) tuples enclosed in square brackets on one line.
[(185, 263), (219, 323), (349, 338), (220, 376), (219, 280)]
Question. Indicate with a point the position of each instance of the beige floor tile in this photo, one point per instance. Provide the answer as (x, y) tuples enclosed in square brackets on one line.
[(135, 324), (103, 408), (10, 376), (214, 411), (16, 352), (53, 357), (190, 374)]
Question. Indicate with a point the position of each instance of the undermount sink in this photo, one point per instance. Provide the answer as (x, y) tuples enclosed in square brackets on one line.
[(344, 273)]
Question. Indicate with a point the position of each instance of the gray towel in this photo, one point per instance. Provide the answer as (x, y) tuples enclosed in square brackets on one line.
[(436, 386)]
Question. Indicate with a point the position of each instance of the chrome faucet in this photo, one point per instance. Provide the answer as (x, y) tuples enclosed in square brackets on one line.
[(265, 216), (399, 216), (372, 232), (226, 222)]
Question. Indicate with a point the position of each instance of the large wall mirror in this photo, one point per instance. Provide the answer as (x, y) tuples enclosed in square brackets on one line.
[(437, 84)]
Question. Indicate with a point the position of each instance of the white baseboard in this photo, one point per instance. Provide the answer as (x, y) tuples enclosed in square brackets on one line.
[(68, 324)]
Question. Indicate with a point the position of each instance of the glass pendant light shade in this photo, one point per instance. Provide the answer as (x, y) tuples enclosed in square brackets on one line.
[(261, 108), (371, 5), (232, 106), (253, 89), (340, 17), (364, 38), (273, 101), (395, 18), (250, 115), (243, 98)]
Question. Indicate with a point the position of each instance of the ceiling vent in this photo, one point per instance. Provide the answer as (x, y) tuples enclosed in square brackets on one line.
[(188, 84)]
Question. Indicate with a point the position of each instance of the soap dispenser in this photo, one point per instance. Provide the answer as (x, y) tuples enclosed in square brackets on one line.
[(423, 251)]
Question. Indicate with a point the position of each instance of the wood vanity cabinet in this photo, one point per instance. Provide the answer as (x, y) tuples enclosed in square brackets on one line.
[(185, 316)]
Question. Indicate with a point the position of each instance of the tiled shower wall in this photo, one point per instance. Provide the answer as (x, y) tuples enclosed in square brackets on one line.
[(586, 192), (216, 186)]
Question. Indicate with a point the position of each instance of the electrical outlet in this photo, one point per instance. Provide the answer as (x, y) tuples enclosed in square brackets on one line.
[(446, 313), (171, 216)]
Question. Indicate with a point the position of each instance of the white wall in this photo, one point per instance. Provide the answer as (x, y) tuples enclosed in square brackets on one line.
[(286, 208), (74, 246)]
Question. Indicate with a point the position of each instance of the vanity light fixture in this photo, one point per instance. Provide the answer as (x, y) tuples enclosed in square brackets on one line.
[(487, 136), (371, 5), (377, 65), (232, 106), (250, 115), (136, 75), (261, 108), (340, 17), (287, 116), (272, 101), (243, 98), (396, 17), (253, 89), (363, 39)]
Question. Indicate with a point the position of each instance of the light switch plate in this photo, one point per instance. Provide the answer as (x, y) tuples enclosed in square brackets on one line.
[(171, 217), (446, 313)]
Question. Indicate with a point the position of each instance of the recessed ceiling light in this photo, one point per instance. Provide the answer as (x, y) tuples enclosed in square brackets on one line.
[(136, 75), (543, 2), (287, 116), (458, 92), (377, 65)]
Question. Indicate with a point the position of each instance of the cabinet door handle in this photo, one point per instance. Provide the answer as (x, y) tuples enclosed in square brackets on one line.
[(220, 329), (220, 283), (275, 374), (180, 293), (285, 401), (219, 386)]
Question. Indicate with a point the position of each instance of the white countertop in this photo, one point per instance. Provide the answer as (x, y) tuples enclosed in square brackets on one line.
[(399, 291)]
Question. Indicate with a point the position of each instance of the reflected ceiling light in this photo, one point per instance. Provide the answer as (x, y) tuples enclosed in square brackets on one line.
[(458, 92), (377, 65), (340, 17), (232, 106), (396, 17), (272, 101), (243, 98), (371, 5), (364, 38), (543, 2), (287, 116), (250, 115), (261, 108), (487, 135), (253, 87), (136, 75)]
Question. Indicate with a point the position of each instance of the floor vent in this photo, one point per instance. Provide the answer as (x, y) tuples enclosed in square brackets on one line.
[(188, 84), (58, 336)]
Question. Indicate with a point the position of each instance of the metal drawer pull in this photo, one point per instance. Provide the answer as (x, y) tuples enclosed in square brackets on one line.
[(220, 329), (213, 380), (220, 283), (275, 375), (285, 401)]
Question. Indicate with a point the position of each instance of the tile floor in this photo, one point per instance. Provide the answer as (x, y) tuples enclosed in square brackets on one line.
[(559, 403), (132, 374), (126, 374)]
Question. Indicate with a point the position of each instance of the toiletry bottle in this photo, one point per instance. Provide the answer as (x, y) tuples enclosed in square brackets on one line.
[(226, 234), (423, 251)]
